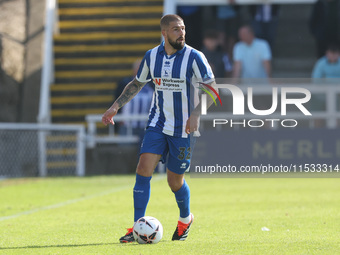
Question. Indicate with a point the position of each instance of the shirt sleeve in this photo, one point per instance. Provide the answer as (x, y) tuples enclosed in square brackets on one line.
[(143, 74), (237, 52), (266, 52), (317, 70), (202, 69)]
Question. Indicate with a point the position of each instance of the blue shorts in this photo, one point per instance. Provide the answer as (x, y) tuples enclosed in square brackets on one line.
[(177, 149)]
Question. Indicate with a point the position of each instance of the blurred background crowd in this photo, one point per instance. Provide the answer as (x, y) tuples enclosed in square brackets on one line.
[(241, 41)]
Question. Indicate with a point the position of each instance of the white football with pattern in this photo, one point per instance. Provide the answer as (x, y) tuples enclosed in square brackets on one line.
[(148, 230)]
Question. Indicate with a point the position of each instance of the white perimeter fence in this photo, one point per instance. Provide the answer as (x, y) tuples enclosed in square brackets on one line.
[(41, 150)]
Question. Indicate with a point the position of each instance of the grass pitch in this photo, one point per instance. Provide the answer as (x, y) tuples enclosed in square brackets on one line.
[(88, 216)]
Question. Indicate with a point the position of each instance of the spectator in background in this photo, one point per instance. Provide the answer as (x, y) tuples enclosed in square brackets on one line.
[(193, 24), (329, 65), (252, 56), (228, 19), (324, 24), (219, 61), (264, 21), (140, 104)]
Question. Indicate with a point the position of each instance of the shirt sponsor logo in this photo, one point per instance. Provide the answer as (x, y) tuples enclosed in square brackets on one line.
[(169, 83), (157, 81)]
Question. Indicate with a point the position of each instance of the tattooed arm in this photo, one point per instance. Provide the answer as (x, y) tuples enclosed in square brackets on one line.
[(130, 90)]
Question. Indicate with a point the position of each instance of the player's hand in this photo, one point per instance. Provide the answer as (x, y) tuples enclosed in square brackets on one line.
[(192, 123), (108, 115)]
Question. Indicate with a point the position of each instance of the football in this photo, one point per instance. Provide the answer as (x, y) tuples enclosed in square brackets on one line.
[(148, 230)]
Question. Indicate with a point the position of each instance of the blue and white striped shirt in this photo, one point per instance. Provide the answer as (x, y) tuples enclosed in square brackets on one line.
[(171, 104)]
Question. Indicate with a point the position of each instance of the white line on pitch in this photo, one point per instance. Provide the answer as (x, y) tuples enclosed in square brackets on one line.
[(72, 201)]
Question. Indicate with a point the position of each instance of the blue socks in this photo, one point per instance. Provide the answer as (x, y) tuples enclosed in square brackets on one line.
[(141, 195), (183, 200)]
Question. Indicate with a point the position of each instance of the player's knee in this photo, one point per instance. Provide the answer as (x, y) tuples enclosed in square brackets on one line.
[(175, 183), (144, 169)]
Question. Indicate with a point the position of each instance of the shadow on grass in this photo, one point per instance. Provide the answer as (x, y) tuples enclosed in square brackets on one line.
[(62, 246), (69, 245)]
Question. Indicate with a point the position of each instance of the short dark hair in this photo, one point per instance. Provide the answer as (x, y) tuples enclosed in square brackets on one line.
[(249, 27), (166, 19), (333, 47)]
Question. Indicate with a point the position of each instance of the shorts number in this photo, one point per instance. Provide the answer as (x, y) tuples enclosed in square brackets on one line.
[(184, 151)]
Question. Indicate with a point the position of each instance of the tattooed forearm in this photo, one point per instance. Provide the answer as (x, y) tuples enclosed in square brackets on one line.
[(130, 90)]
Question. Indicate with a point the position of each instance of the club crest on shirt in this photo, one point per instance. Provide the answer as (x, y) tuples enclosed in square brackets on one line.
[(166, 72)]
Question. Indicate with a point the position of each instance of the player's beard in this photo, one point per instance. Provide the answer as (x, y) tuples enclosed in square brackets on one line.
[(177, 45)]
